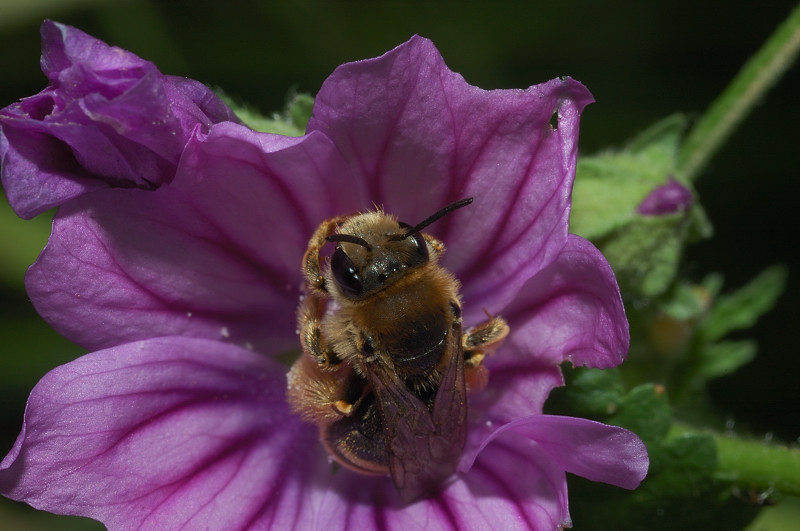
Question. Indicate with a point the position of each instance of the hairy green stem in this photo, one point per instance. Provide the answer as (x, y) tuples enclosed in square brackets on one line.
[(739, 98), (752, 463)]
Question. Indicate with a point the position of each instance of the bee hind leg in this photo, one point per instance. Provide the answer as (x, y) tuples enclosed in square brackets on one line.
[(309, 320), (321, 388), (476, 343)]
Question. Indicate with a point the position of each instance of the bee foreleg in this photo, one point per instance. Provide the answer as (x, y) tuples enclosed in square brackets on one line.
[(309, 319), (312, 271)]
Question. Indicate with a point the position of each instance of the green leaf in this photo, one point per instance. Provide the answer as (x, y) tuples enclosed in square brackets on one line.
[(646, 412), (268, 125), (594, 393), (644, 251), (666, 133), (299, 109), (741, 309), (292, 121), (693, 460), (725, 357), (609, 186), (713, 283), (680, 492), (686, 301)]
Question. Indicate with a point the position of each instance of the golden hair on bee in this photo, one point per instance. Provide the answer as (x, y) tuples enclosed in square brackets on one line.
[(385, 362)]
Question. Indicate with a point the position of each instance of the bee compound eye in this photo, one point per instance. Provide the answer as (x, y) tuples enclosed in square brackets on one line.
[(346, 274), (419, 242), (422, 247)]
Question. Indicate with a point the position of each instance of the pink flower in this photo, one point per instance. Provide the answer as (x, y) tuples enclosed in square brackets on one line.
[(187, 296)]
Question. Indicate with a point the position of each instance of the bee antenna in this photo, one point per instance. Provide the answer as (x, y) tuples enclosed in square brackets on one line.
[(349, 238), (440, 214)]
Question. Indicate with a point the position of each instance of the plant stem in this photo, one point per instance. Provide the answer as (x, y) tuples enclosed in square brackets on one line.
[(739, 98), (754, 464)]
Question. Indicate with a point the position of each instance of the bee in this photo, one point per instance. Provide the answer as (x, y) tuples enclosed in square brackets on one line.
[(386, 367)]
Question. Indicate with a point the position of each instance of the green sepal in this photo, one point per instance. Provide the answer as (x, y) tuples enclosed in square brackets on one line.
[(291, 121), (644, 251), (610, 186)]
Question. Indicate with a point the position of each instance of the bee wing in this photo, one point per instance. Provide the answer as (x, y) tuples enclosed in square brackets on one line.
[(425, 445)]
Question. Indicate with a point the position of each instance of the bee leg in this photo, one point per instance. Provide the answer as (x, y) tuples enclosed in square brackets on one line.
[(477, 342), (436, 245), (309, 319), (318, 395), (312, 271), (321, 388), (485, 337)]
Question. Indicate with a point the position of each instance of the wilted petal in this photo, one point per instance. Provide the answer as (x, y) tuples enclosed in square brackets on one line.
[(513, 484), (570, 311), (108, 118), (215, 254), (40, 171), (164, 434), (420, 137), (194, 103), (592, 450)]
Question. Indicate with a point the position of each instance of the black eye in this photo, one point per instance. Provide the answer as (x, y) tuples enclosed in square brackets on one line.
[(345, 273), (421, 245)]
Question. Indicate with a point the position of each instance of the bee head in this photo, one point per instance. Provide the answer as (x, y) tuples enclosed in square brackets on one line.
[(365, 265)]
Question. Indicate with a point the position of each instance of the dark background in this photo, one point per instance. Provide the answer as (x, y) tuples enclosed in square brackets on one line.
[(641, 60)]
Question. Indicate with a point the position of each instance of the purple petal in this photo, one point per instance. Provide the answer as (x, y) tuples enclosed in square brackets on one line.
[(164, 434), (215, 254), (666, 199), (513, 484), (517, 387), (193, 103), (40, 171), (421, 137), (570, 311), (108, 118), (592, 450)]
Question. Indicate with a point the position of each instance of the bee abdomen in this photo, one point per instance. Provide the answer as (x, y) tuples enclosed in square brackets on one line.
[(359, 441), (419, 346)]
